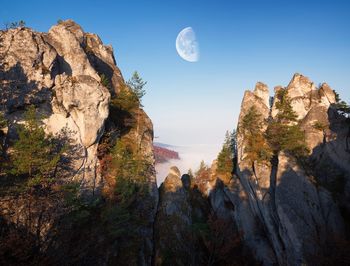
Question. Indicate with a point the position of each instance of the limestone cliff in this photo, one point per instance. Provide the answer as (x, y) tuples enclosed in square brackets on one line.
[(173, 236), (287, 213), (71, 77), (52, 71)]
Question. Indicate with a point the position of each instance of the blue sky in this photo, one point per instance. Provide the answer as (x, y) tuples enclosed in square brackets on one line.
[(241, 42)]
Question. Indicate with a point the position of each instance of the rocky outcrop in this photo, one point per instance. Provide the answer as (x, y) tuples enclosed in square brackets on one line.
[(173, 235), (181, 209), (285, 213), (60, 72), (53, 72)]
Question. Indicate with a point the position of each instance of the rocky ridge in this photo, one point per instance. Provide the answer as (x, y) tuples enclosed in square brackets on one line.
[(63, 73), (287, 214), (284, 214)]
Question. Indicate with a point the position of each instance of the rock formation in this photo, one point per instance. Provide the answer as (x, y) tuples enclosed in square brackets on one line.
[(173, 236), (63, 73), (53, 72), (287, 210), (287, 214)]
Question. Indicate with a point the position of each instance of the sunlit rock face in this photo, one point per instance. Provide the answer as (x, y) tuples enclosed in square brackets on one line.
[(60, 73), (52, 71), (288, 216)]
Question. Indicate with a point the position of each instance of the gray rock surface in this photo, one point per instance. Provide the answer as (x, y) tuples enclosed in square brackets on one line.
[(287, 220), (52, 71), (173, 221), (60, 73)]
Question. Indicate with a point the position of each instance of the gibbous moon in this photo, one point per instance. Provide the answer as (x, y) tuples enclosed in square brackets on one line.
[(187, 45)]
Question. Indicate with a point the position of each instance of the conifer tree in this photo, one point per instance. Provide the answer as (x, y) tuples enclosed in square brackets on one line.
[(34, 153), (130, 169), (225, 159), (136, 84), (203, 172), (256, 148), (284, 132)]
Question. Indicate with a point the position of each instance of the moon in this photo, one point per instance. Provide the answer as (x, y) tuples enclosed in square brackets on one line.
[(187, 45)]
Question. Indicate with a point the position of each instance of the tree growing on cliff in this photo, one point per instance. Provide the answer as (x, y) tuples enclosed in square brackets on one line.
[(136, 84), (130, 170), (35, 154), (227, 155), (284, 132), (341, 106), (256, 147), (15, 24)]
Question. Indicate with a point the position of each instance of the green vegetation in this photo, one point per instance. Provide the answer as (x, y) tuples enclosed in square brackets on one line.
[(203, 172), (126, 101), (15, 24), (127, 168), (342, 107), (129, 97), (227, 155), (256, 148), (136, 84), (105, 81), (284, 132), (130, 172), (3, 121), (319, 126), (35, 154)]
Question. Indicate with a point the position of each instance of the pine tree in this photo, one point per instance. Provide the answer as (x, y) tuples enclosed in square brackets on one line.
[(256, 147), (341, 106), (203, 172), (225, 159), (34, 153), (136, 84), (284, 132), (130, 172)]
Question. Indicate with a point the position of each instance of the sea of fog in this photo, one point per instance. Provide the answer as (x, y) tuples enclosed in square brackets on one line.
[(190, 157)]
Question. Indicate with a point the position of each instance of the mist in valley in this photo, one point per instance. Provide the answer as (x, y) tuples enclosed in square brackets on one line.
[(190, 158)]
